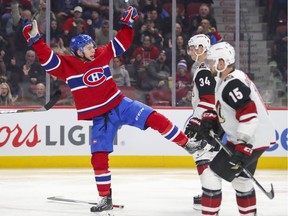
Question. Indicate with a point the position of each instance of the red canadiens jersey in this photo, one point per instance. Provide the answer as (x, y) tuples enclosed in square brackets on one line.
[(91, 83), (242, 113), (203, 93)]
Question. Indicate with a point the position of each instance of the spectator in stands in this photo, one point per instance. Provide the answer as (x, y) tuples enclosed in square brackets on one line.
[(6, 98), (206, 28), (147, 5), (56, 38), (70, 22), (40, 16), (89, 6), (181, 52), (63, 10), (204, 13), (159, 21), (94, 22), (183, 79), (119, 73), (102, 34), (16, 40), (159, 72), (149, 28), (182, 73), (5, 11), (55, 33), (168, 36), (59, 47), (78, 28), (278, 15), (33, 69), (140, 59), (2, 63), (143, 54), (186, 100), (38, 97), (25, 75), (14, 75)]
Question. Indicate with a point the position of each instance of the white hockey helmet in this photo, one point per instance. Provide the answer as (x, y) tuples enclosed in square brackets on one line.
[(221, 50), (200, 39)]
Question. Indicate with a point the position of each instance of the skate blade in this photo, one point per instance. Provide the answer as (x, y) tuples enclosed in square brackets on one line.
[(104, 213), (197, 207)]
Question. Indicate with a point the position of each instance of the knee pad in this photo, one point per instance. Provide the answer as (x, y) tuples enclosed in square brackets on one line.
[(210, 180), (242, 184)]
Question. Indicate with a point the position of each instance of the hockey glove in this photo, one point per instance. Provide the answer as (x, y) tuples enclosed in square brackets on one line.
[(30, 32), (209, 122), (242, 152), (192, 128), (129, 17)]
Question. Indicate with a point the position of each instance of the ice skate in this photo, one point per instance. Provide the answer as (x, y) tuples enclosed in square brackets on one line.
[(197, 202), (104, 204)]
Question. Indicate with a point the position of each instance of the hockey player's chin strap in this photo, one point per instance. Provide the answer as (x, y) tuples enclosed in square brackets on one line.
[(196, 60), (84, 57)]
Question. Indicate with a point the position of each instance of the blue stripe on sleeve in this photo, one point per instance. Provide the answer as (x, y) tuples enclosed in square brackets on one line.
[(117, 47), (53, 63)]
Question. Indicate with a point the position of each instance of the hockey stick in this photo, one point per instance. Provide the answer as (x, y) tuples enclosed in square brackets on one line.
[(55, 198), (46, 107), (269, 194)]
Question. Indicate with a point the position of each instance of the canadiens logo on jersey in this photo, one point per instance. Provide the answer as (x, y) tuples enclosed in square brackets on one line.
[(94, 77)]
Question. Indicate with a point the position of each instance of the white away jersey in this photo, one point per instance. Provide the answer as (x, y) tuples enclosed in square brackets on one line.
[(203, 97), (241, 111)]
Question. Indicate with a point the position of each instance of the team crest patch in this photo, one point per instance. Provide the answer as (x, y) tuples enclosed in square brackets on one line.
[(228, 77), (94, 77)]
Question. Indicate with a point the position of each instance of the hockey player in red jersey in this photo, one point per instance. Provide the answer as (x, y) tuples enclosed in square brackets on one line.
[(249, 129), (98, 98), (203, 103)]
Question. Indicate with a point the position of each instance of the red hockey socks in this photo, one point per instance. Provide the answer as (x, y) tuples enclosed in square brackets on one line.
[(211, 201), (246, 202), (100, 165), (166, 128)]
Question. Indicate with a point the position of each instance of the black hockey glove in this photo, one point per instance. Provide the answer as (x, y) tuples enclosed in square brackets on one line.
[(192, 128), (242, 152), (209, 122)]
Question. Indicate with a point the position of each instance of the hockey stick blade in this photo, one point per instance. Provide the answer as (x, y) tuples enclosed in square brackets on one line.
[(55, 198), (270, 194), (53, 100), (46, 107)]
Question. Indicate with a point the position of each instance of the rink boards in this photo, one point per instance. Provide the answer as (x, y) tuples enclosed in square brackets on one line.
[(57, 139)]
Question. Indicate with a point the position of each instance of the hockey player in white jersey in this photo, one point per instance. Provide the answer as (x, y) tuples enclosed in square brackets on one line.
[(249, 129), (203, 103)]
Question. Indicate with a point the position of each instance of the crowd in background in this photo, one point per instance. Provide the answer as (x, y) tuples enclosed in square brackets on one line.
[(145, 67)]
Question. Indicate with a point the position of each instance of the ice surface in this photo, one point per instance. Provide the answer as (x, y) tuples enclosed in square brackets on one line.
[(144, 192)]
